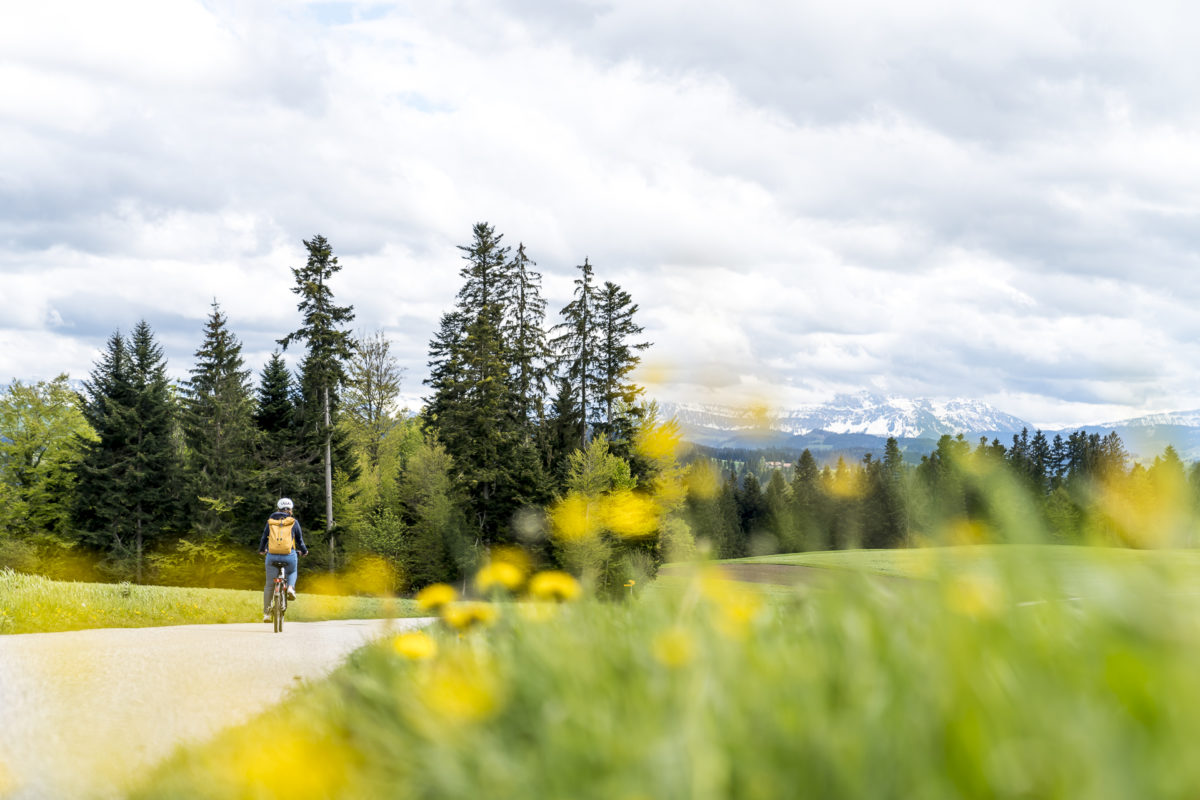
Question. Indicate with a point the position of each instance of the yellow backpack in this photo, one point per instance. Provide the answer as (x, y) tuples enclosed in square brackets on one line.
[(279, 540)]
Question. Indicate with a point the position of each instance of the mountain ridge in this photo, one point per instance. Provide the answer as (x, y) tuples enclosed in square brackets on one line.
[(860, 423)]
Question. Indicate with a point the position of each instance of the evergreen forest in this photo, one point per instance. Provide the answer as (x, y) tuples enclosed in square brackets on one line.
[(533, 440)]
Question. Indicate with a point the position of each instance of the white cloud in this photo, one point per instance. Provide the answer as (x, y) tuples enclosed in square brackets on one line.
[(930, 199)]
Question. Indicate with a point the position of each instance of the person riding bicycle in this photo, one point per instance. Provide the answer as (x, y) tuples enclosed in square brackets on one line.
[(280, 542)]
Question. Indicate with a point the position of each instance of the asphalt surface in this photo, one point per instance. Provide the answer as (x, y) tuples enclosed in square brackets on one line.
[(84, 714)]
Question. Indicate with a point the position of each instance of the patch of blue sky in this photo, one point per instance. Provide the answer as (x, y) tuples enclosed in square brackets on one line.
[(345, 13), (421, 103)]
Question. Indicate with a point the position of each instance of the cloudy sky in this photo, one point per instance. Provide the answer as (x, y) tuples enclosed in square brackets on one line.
[(933, 199)]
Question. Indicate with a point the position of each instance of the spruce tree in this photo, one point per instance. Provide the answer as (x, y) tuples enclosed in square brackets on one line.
[(276, 412), (562, 435), (280, 454), (328, 348), (617, 358), (578, 348), (474, 408), (129, 477), (218, 425), (525, 331)]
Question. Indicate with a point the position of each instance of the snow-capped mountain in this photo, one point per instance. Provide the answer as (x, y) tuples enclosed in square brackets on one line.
[(1182, 419), (857, 414)]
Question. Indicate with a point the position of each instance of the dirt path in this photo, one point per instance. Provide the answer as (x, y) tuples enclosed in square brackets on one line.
[(83, 714)]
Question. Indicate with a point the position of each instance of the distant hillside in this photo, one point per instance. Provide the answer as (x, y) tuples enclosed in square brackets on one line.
[(853, 425)]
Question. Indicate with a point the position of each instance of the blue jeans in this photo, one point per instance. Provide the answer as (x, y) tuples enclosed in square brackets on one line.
[(290, 563)]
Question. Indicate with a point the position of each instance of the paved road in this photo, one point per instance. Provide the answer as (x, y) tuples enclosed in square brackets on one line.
[(83, 714)]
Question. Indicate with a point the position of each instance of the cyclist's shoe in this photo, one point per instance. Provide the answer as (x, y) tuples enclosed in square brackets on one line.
[(266, 617), (291, 593)]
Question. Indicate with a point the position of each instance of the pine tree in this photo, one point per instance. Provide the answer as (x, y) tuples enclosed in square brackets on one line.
[(752, 509), (129, 478), (578, 348), (218, 426), (276, 412), (617, 358), (562, 435), (280, 455), (526, 336), (474, 408), (328, 348)]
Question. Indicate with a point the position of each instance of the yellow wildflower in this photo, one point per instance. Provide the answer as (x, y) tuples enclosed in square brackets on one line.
[(573, 518), (554, 585), (415, 645), (659, 443), (500, 575), (435, 595), (465, 616), (630, 515), (674, 648)]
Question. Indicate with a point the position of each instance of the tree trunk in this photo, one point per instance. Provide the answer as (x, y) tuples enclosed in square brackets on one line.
[(329, 482)]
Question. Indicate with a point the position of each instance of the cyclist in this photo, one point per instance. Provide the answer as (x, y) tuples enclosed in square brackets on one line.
[(281, 550)]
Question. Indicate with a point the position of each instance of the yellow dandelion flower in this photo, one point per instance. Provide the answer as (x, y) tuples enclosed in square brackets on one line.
[(658, 443), (465, 616), (554, 585), (674, 648), (500, 575), (435, 595), (630, 515), (511, 555), (574, 519), (415, 646)]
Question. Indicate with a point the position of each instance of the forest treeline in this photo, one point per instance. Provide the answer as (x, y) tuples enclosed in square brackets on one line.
[(1081, 489), (533, 440)]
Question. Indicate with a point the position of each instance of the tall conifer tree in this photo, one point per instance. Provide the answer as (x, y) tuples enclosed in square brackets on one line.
[(218, 426), (578, 348), (474, 407), (617, 358), (128, 478), (525, 328), (328, 347)]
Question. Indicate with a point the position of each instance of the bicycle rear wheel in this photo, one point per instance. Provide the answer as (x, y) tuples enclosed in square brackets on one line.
[(277, 610)]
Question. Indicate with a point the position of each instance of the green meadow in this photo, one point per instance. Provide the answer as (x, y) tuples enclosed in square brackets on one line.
[(33, 604), (992, 675)]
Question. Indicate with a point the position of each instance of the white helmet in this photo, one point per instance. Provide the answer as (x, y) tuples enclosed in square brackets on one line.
[(284, 504)]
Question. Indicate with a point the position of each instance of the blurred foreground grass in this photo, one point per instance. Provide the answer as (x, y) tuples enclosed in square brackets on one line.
[(32, 604), (959, 685), (1076, 570)]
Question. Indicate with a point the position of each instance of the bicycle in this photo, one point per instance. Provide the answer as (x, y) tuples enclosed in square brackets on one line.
[(279, 600)]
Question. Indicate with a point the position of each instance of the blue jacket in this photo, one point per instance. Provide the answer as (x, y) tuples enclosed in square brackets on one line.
[(296, 534)]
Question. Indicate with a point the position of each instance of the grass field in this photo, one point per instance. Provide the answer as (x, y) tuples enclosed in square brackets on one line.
[(1076, 571), (31, 604), (948, 687)]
